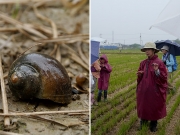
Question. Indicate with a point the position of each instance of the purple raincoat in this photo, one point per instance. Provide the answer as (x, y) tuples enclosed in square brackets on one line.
[(103, 81), (151, 90)]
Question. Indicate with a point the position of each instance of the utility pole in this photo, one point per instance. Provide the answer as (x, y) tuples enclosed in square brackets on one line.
[(140, 38), (112, 37)]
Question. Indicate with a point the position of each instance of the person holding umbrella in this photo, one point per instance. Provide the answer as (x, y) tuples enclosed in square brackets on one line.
[(169, 62), (95, 67), (151, 88)]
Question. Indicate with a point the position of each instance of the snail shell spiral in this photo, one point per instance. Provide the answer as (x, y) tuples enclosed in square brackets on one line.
[(40, 76)]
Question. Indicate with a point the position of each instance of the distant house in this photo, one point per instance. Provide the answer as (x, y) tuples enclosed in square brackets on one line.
[(109, 47)]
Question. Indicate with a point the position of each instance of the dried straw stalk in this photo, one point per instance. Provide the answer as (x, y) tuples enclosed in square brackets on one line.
[(43, 113), (4, 97), (83, 57), (56, 121), (21, 1), (26, 27), (54, 30), (8, 133), (67, 39)]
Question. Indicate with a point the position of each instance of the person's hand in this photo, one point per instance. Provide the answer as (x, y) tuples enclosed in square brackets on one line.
[(102, 65), (164, 62), (140, 73), (155, 66)]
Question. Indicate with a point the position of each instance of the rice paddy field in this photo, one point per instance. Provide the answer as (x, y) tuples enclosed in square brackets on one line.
[(118, 116)]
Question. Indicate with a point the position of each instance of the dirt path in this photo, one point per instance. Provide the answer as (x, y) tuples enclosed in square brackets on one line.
[(111, 96), (170, 128), (115, 129)]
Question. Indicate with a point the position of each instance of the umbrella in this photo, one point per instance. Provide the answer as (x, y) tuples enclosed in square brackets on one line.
[(94, 51), (169, 19), (174, 48)]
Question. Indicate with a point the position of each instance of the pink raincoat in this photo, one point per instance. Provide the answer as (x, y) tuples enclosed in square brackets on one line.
[(103, 81), (151, 90)]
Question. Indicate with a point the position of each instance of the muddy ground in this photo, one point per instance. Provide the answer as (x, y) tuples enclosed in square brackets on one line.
[(26, 24)]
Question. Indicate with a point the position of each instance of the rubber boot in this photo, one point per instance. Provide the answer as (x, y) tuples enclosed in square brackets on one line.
[(99, 96), (153, 126), (105, 95)]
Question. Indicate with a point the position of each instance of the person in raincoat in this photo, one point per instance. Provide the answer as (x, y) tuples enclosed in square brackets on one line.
[(103, 81), (169, 62), (95, 70), (151, 88)]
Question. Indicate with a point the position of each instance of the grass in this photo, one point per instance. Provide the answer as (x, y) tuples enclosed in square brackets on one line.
[(124, 70), (169, 116), (127, 125), (177, 128), (122, 51), (117, 98)]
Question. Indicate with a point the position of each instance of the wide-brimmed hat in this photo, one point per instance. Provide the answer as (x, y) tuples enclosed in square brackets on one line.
[(150, 45), (165, 48)]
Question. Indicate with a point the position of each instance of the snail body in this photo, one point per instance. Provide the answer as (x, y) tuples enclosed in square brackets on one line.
[(40, 76), (80, 79)]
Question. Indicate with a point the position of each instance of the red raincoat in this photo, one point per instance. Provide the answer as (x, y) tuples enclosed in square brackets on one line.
[(103, 81), (151, 90)]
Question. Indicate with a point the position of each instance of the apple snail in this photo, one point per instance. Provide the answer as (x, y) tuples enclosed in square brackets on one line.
[(37, 75)]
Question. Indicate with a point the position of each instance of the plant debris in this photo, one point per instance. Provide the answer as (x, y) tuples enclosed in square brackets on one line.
[(61, 30)]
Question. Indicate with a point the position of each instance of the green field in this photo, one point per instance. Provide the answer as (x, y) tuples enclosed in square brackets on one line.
[(122, 51), (118, 115)]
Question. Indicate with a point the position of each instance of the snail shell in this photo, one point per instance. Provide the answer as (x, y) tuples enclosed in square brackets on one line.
[(40, 76)]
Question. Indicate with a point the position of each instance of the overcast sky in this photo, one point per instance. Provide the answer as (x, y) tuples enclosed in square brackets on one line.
[(123, 20)]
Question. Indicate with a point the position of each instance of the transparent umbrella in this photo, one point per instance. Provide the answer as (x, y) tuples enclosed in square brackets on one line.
[(169, 19)]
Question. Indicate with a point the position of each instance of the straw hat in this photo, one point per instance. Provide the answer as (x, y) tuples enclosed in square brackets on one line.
[(150, 45), (165, 48)]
